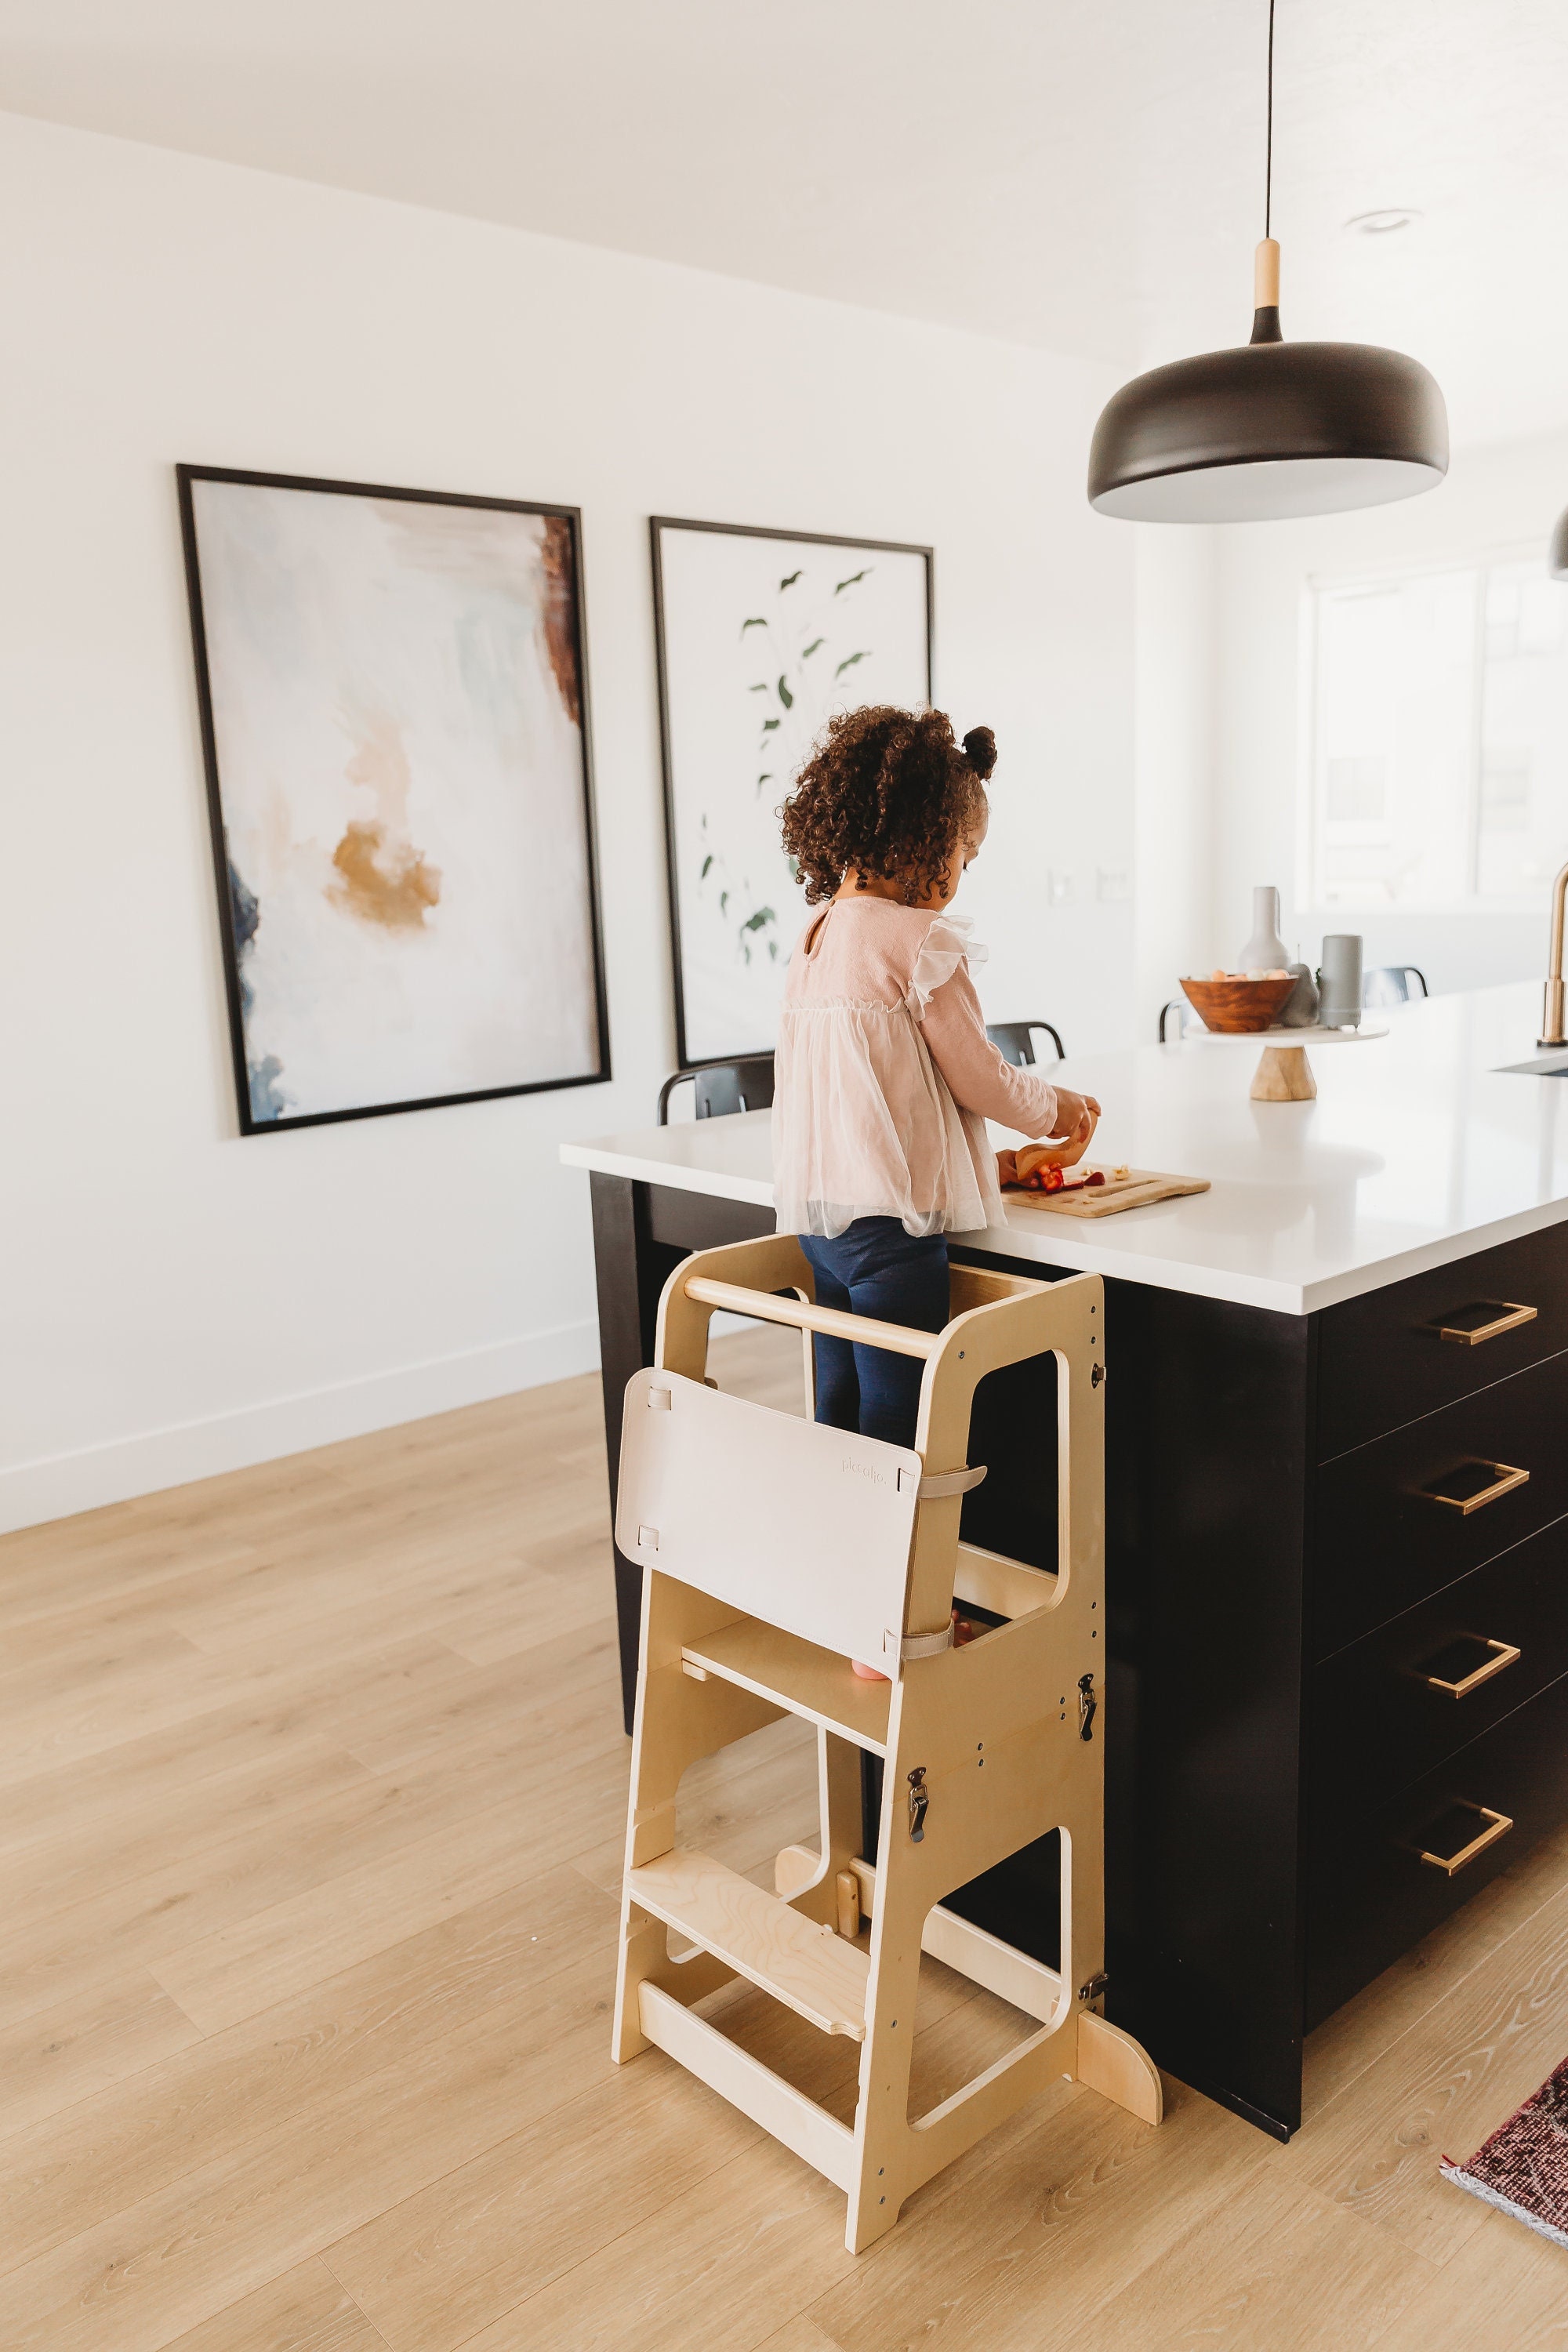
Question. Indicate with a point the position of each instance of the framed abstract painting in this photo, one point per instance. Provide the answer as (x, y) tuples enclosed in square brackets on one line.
[(393, 710), (762, 637)]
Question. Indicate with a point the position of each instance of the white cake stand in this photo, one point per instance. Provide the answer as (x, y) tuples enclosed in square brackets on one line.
[(1284, 1073)]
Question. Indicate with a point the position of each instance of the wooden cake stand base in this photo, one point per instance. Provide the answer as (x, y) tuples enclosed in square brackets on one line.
[(1284, 1075)]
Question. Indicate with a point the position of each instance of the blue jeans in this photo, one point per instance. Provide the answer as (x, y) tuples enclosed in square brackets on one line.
[(876, 1268)]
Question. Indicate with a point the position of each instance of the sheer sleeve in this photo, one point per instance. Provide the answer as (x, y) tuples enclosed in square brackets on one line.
[(944, 1000)]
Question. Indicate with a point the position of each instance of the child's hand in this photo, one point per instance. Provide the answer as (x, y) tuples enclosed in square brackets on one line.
[(1078, 1116), (1072, 1111)]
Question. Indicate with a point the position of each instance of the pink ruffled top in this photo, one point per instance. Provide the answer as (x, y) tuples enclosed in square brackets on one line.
[(884, 1077)]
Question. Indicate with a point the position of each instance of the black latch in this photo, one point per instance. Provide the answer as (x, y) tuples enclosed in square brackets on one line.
[(1088, 1706), (919, 1801)]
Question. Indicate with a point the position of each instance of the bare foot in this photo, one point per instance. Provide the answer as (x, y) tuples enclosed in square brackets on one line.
[(868, 1674)]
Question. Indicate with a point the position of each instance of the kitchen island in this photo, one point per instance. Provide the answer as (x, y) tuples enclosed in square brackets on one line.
[(1337, 1498)]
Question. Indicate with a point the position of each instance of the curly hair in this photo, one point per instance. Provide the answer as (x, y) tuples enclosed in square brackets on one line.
[(887, 792)]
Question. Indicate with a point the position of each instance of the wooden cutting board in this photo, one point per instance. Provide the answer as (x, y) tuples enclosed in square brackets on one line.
[(1133, 1190)]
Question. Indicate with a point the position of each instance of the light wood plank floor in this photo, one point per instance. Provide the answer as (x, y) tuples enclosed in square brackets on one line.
[(312, 1781)]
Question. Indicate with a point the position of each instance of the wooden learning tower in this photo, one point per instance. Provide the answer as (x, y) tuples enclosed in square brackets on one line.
[(774, 1550)]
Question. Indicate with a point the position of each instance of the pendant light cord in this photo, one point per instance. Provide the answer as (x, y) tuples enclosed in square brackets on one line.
[(1266, 261), (1268, 162)]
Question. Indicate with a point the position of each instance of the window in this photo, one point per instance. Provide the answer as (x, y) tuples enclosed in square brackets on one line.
[(1440, 737)]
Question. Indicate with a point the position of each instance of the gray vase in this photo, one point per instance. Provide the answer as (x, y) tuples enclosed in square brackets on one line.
[(1264, 951)]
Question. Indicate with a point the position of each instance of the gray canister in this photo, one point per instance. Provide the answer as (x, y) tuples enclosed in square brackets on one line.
[(1339, 982)]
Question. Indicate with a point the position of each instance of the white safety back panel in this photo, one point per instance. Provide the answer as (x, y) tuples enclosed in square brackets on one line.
[(806, 1526)]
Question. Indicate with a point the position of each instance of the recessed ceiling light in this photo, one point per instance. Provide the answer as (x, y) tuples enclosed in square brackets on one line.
[(1382, 223)]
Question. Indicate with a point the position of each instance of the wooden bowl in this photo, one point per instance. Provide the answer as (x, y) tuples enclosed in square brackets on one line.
[(1236, 1006)]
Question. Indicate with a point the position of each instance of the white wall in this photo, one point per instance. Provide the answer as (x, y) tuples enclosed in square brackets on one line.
[(1176, 573), (1491, 496), (181, 1300)]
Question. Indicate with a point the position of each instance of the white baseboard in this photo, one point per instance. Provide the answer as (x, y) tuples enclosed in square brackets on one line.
[(59, 1485)]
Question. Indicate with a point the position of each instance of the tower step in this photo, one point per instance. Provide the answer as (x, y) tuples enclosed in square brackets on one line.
[(809, 1968), (810, 1681)]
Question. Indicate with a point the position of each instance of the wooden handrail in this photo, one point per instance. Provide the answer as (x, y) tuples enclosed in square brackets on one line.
[(897, 1338)]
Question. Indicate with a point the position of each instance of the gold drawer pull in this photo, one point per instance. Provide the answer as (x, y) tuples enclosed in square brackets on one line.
[(1498, 1826), (1503, 1654), (1502, 1316), (1503, 1481)]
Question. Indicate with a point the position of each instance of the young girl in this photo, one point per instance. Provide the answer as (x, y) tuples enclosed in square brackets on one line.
[(884, 1075)]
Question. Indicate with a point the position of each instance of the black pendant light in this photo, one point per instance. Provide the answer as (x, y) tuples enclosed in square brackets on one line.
[(1269, 428), (1557, 553)]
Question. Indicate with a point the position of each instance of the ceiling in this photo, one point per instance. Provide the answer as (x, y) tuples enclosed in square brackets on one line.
[(1084, 175)]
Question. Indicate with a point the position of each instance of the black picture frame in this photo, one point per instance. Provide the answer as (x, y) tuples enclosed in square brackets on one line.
[(657, 525), (186, 476)]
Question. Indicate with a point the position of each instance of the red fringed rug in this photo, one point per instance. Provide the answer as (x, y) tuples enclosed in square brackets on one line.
[(1523, 2168)]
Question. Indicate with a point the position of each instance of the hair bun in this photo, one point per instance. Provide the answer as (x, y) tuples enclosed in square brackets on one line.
[(980, 750)]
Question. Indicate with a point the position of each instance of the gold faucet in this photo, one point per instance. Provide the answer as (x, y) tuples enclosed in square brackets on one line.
[(1552, 1017)]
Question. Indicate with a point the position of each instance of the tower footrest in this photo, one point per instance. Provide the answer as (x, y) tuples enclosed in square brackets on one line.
[(748, 2084), (809, 1968)]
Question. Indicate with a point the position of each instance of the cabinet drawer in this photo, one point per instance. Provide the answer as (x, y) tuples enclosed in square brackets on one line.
[(1384, 1540), (1382, 1359), (1371, 1895), (1400, 1701)]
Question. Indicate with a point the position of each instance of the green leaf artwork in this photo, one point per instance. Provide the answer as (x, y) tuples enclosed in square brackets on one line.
[(800, 713), (835, 625)]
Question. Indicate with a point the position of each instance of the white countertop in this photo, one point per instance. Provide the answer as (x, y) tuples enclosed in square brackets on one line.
[(1416, 1152)]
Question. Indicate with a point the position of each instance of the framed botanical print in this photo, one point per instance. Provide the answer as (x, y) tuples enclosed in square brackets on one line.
[(762, 637), (394, 711)]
